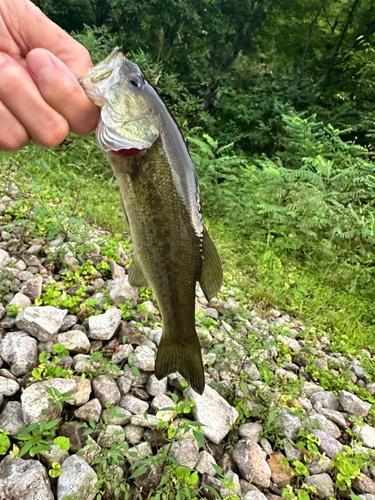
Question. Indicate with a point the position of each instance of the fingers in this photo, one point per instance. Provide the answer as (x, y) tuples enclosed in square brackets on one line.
[(61, 90), (22, 98), (13, 134)]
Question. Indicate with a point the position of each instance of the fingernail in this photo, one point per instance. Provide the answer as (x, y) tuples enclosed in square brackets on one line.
[(39, 65), (2, 57)]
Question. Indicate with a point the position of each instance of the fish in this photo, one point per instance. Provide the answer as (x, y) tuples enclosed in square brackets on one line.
[(160, 199)]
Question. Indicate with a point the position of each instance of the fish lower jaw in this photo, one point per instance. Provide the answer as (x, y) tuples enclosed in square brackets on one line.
[(126, 152)]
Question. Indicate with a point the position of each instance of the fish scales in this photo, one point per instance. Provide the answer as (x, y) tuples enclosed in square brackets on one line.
[(160, 199)]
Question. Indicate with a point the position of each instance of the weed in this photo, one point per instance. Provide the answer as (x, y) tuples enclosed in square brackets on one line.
[(48, 366), (39, 437), (4, 442)]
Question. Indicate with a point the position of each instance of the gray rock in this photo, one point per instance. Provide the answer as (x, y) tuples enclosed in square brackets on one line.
[(328, 445), (41, 322), (186, 452), (133, 404), (77, 478), (370, 385), (75, 341), (139, 452), (118, 417), (292, 343), (366, 434), (4, 258), (319, 464), (104, 326), (204, 465), (323, 484), (20, 300), (235, 480), (290, 424), (8, 387), (55, 454), (309, 388), (110, 434), (69, 321), (144, 358), (328, 426), (251, 462), (32, 288), (150, 421), (120, 291), (254, 495), (364, 484), (23, 480), (250, 431), (89, 411), (352, 404), (20, 351), (211, 312), (124, 384), (155, 386), (327, 399), (133, 433), (106, 390), (24, 276), (214, 412), (266, 445), (11, 418), (335, 416), (122, 353)]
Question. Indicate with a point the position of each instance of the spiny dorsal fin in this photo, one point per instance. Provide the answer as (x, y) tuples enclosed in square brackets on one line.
[(212, 273), (136, 276)]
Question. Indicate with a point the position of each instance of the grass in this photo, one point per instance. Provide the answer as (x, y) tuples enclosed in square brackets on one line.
[(325, 298)]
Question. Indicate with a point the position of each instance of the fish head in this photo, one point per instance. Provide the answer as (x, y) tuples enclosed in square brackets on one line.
[(128, 120)]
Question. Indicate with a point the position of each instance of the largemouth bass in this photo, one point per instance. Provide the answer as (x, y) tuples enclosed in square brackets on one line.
[(160, 199)]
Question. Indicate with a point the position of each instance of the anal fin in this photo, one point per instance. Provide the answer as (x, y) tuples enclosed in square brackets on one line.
[(211, 277), (136, 276)]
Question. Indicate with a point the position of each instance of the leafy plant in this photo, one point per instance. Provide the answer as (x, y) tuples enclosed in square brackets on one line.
[(4, 442), (40, 436), (48, 366)]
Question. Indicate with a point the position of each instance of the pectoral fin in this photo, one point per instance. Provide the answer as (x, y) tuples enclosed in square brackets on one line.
[(212, 272), (136, 276)]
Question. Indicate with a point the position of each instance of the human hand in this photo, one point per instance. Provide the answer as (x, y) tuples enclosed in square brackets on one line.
[(40, 97)]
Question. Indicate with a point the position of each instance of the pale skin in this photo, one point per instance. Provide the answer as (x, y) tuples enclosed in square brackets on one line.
[(40, 64)]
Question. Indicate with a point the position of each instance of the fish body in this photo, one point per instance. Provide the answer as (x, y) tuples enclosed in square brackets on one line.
[(160, 199)]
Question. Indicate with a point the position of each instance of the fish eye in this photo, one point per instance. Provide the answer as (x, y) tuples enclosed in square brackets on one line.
[(136, 81)]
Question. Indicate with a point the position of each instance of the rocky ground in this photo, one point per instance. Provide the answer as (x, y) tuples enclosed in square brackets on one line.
[(283, 412)]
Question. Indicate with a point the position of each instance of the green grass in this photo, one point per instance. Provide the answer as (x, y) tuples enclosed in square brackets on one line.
[(78, 179)]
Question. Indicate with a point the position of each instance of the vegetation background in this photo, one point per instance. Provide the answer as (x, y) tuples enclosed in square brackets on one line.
[(277, 102)]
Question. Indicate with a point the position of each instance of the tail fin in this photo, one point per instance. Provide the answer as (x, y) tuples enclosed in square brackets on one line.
[(186, 359)]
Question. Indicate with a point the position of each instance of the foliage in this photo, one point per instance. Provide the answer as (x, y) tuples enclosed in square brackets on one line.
[(39, 437), (48, 367), (349, 464), (4, 442)]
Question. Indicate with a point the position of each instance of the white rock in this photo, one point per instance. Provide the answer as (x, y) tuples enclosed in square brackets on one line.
[(41, 322), (77, 478), (11, 418), (20, 351), (214, 412), (133, 404), (366, 434), (23, 480), (139, 452), (352, 404), (250, 431), (89, 411), (144, 358), (155, 386), (292, 343), (20, 300), (235, 480), (204, 465), (75, 341), (120, 291), (104, 326), (110, 434), (8, 387), (185, 452)]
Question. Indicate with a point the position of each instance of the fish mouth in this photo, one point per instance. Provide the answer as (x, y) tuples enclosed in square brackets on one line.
[(126, 152)]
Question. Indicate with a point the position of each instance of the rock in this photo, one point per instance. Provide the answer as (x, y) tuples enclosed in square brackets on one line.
[(155, 386), (89, 411), (292, 343), (290, 423), (235, 480), (8, 387), (250, 460), (35, 398), (32, 288), (133, 404), (322, 483), (104, 326), (211, 312), (327, 399), (4, 258), (334, 416), (75, 432), (122, 353), (328, 444), (124, 384), (11, 418), (69, 321), (75, 341), (133, 433), (309, 388), (250, 431), (366, 434), (352, 404), (213, 483), (281, 474), (20, 300), (23, 480), (328, 426), (116, 270), (319, 464), (20, 351), (41, 322), (162, 401), (214, 412), (150, 421), (186, 452), (109, 435), (106, 390), (266, 445), (55, 454), (139, 452), (204, 465), (364, 484), (120, 291), (77, 479), (255, 495), (144, 358), (118, 417)]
